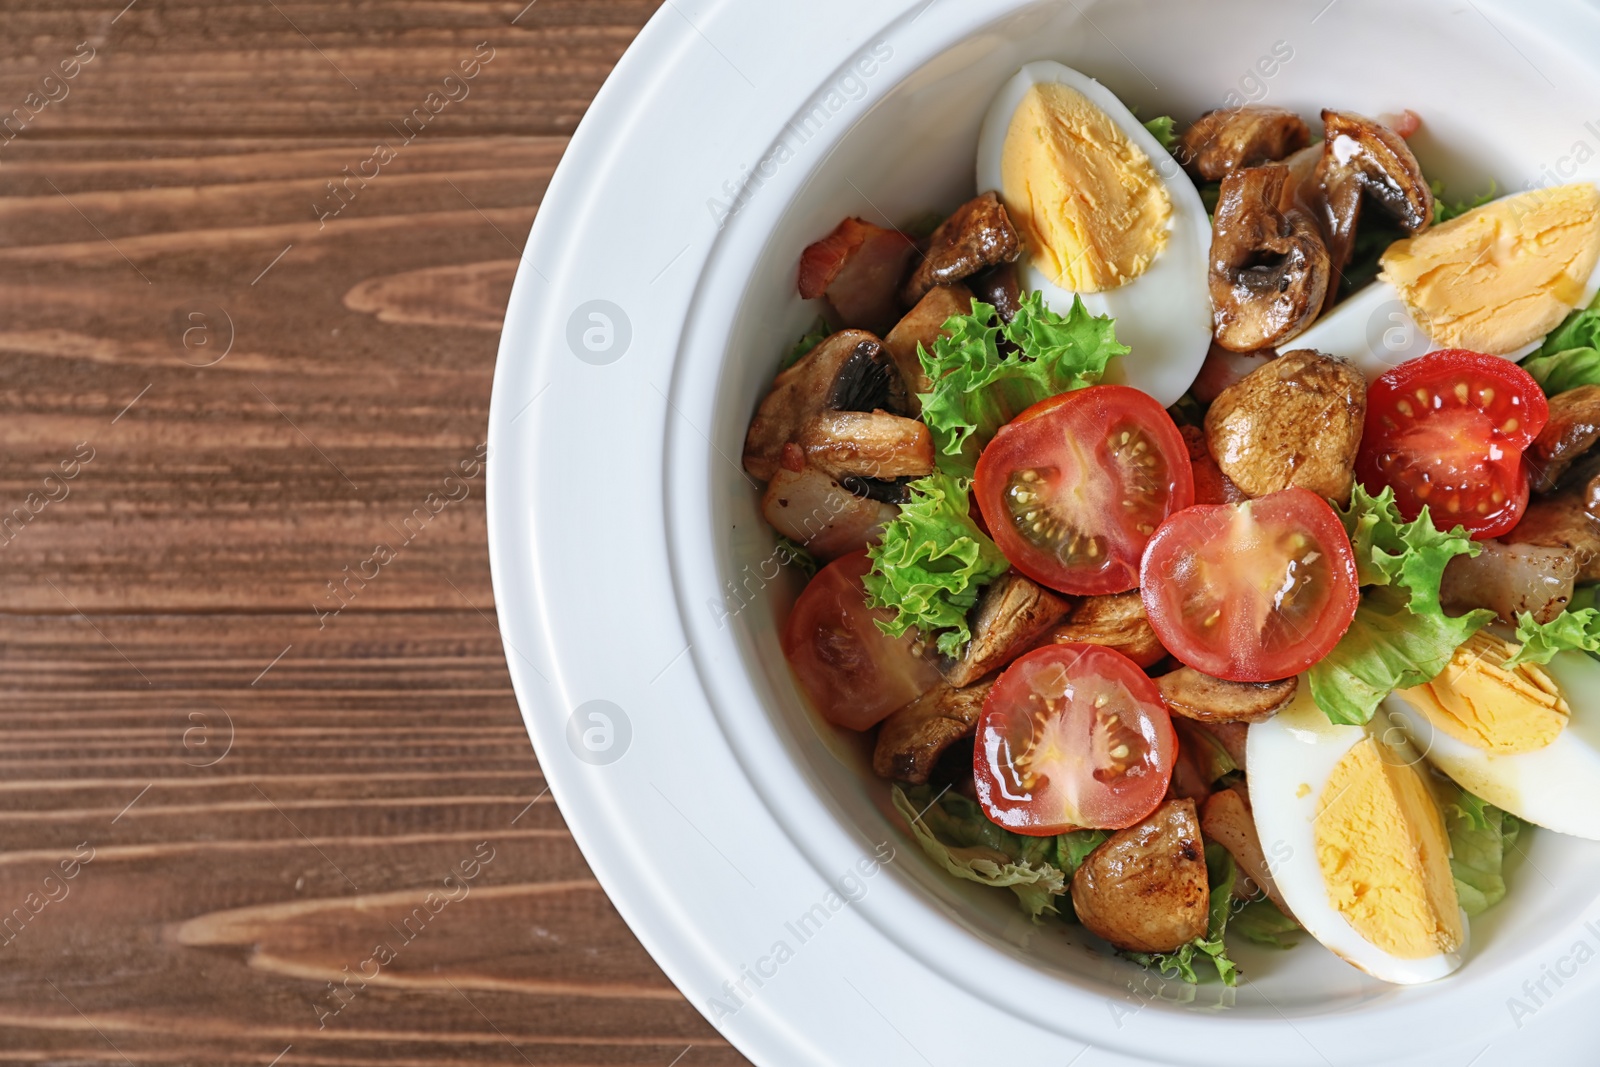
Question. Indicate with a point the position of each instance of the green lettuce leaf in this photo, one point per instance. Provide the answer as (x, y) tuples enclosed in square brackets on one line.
[(931, 563), (1162, 127), (1261, 922), (975, 391), (1445, 210), (1401, 636), (1571, 631), (1180, 964), (1570, 356), (1480, 836), (793, 553), (1074, 847), (955, 834), (820, 331)]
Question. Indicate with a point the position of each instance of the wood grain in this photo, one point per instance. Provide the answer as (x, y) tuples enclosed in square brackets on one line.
[(300, 813)]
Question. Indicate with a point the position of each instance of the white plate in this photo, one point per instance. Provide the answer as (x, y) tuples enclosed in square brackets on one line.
[(648, 316)]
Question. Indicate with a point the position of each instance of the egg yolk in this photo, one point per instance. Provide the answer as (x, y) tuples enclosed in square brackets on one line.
[(1479, 702), (1384, 854), (1503, 275), (1092, 210)]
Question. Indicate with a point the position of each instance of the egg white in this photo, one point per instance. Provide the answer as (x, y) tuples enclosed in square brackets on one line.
[(1375, 330), (1164, 315), (1298, 748), (1558, 786)]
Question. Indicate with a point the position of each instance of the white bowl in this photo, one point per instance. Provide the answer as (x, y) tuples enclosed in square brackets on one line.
[(634, 576)]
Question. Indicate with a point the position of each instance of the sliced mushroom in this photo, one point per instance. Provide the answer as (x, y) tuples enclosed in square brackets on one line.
[(1572, 431), (1226, 819), (979, 235), (1116, 621), (858, 268), (1010, 617), (815, 510), (1229, 139), (998, 287), (1198, 696), (850, 371), (1363, 159), (1563, 520), (923, 325), (1509, 579), (867, 444), (1296, 421), (1146, 889), (1270, 273), (911, 740)]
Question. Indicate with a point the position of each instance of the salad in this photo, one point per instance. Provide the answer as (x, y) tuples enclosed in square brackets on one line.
[(1174, 597)]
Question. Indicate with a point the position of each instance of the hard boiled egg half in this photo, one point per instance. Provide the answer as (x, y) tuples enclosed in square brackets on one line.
[(1527, 739), (1496, 279), (1105, 213), (1356, 842)]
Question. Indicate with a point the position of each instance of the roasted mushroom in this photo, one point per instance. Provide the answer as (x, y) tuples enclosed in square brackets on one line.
[(998, 287), (1269, 274), (1563, 520), (978, 236), (815, 510), (858, 268), (1363, 159), (1510, 579), (1229, 139), (1116, 621), (867, 444), (1296, 421), (1226, 819), (1199, 696), (1572, 431), (923, 325), (1146, 889), (1010, 617), (850, 371), (911, 740)]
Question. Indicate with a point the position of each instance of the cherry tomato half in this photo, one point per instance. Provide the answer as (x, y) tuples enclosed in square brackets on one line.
[(1447, 431), (1254, 591), (1072, 736), (854, 673), (1073, 488)]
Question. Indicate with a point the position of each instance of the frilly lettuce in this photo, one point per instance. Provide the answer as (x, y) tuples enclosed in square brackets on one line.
[(955, 834), (1571, 631), (1162, 127), (976, 391), (1401, 636), (931, 563)]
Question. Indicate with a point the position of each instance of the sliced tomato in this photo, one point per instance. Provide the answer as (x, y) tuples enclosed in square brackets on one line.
[(1073, 488), (1254, 591), (1447, 432), (854, 673), (1072, 737)]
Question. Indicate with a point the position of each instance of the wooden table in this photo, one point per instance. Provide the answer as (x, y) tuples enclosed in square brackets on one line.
[(256, 705)]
